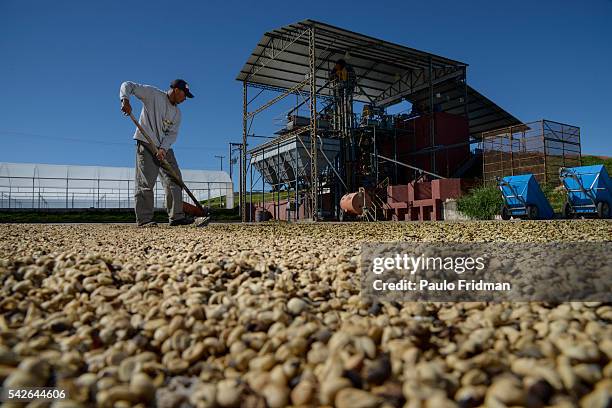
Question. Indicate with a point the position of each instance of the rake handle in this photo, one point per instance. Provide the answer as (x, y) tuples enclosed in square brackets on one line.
[(164, 163)]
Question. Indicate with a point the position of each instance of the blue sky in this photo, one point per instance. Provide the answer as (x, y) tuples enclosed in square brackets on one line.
[(63, 62)]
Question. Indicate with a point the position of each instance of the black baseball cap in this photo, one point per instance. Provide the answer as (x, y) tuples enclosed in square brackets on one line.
[(181, 84)]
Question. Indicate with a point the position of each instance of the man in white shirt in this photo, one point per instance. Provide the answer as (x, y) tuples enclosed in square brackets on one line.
[(160, 118)]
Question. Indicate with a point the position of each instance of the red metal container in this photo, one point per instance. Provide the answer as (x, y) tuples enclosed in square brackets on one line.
[(353, 203)]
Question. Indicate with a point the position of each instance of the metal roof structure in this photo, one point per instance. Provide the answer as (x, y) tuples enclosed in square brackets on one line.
[(386, 73), (484, 115), (297, 59)]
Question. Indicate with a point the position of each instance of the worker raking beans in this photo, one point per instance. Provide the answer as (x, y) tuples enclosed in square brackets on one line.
[(160, 118)]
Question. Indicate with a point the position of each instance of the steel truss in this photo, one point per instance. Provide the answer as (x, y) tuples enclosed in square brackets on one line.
[(314, 175), (275, 47), (416, 76), (413, 81)]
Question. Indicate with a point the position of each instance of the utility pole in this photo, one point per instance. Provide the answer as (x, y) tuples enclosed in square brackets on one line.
[(233, 160), (220, 160)]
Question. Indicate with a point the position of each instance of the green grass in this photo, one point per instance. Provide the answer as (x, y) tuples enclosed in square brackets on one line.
[(592, 160), (482, 203), (75, 217), (224, 214), (101, 216), (216, 202), (556, 196)]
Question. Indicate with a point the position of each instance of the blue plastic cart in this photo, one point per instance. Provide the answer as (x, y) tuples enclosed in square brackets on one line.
[(589, 191), (523, 198)]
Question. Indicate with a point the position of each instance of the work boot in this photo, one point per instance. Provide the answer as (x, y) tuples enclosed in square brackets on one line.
[(183, 221), (201, 221)]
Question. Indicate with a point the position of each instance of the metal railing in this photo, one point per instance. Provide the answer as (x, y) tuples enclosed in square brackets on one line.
[(540, 148), (62, 192)]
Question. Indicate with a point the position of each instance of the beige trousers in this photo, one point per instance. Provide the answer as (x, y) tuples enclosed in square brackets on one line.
[(147, 169)]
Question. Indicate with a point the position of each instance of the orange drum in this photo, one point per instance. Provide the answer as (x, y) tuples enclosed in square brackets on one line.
[(353, 203)]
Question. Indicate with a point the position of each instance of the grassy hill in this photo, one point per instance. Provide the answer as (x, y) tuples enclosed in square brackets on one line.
[(591, 160)]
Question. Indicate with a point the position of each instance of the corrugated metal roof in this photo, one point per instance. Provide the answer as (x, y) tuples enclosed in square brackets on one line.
[(280, 61), (484, 114)]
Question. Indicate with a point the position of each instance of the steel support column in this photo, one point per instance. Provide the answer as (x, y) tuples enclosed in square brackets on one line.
[(251, 191), (230, 161), (278, 182), (432, 126), (579, 149), (545, 153), (243, 154), (263, 180), (313, 126), (375, 154), (297, 188), (465, 96)]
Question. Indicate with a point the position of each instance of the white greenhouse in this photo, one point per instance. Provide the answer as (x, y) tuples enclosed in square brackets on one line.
[(46, 186)]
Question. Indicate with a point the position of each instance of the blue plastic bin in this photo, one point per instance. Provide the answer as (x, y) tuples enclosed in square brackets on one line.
[(589, 191), (524, 198)]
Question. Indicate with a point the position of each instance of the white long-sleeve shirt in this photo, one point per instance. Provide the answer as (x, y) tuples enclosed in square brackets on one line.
[(159, 118)]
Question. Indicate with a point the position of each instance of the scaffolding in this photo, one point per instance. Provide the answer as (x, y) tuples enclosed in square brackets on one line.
[(30, 186), (295, 60), (539, 147)]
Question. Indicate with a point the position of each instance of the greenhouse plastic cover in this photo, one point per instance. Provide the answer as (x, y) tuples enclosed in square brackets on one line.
[(57, 185)]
